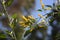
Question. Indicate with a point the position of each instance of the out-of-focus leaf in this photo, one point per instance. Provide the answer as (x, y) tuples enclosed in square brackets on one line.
[(8, 32), (59, 14), (54, 10), (2, 35), (8, 3), (51, 20), (48, 6), (11, 25), (49, 14), (39, 10), (14, 16), (58, 7), (27, 32), (0, 14), (58, 36)]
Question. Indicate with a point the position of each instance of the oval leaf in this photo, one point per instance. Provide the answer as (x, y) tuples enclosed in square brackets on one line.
[(8, 3), (39, 10), (2, 35), (48, 6)]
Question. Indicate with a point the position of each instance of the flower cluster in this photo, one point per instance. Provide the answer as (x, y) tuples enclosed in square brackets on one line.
[(26, 21), (31, 22)]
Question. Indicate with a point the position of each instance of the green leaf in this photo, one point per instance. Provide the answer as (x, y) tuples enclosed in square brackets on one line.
[(0, 14), (8, 32), (2, 35), (58, 7), (8, 3), (11, 25), (48, 6), (14, 16), (39, 10), (50, 14)]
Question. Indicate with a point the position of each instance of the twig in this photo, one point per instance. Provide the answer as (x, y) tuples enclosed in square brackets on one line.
[(6, 14)]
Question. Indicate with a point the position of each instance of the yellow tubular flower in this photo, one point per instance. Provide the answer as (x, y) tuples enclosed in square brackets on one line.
[(24, 18), (42, 6), (40, 26), (21, 22), (30, 17), (23, 25)]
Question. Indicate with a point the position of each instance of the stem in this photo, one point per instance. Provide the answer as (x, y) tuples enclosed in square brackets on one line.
[(4, 7), (6, 14), (14, 35)]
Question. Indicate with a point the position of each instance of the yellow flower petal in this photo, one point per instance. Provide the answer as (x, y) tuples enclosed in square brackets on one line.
[(43, 6), (23, 25), (40, 26), (21, 22), (30, 17), (24, 18)]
